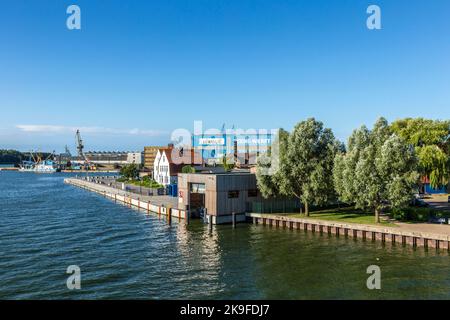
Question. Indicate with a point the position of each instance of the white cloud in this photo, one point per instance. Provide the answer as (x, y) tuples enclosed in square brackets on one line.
[(35, 128)]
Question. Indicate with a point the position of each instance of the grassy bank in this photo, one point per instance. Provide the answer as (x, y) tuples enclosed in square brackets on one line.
[(345, 215)]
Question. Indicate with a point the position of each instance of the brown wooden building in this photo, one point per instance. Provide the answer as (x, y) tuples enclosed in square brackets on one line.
[(221, 194)]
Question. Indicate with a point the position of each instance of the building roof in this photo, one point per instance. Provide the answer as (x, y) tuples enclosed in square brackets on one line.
[(233, 172), (191, 157)]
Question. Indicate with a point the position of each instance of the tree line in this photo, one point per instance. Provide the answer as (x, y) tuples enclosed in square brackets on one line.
[(377, 168), (11, 157)]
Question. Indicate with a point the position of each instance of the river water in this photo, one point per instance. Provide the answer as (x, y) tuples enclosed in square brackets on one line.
[(124, 253)]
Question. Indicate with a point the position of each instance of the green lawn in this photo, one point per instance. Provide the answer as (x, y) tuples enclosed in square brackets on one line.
[(345, 215)]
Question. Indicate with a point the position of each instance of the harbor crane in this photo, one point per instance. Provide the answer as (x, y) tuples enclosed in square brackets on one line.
[(80, 147)]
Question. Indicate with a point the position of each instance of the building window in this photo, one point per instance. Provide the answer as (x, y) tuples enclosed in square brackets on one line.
[(233, 194), (252, 193), (197, 187)]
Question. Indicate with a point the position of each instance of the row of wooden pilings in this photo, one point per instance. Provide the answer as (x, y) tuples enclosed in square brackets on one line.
[(357, 231)]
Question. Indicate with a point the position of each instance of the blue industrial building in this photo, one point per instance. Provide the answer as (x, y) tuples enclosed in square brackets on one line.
[(241, 146)]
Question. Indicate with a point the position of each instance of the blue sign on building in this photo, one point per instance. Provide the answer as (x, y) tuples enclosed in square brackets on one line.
[(245, 145)]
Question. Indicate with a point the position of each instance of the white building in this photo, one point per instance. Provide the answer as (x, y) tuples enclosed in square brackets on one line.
[(134, 157), (165, 170)]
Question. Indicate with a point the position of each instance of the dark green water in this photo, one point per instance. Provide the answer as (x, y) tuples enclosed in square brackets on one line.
[(123, 253)]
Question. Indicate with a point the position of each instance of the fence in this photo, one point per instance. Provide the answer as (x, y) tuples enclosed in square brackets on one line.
[(274, 206)]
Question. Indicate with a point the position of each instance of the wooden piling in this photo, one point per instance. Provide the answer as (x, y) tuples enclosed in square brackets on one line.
[(187, 214), (169, 214)]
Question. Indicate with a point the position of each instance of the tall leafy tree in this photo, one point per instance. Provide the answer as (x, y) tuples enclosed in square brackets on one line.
[(305, 165), (379, 168), (431, 139), (268, 175), (130, 171)]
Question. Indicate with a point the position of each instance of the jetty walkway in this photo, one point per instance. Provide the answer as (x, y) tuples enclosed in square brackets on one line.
[(402, 235), (165, 205), (416, 235)]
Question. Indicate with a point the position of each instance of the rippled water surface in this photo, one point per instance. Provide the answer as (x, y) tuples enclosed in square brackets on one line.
[(123, 253)]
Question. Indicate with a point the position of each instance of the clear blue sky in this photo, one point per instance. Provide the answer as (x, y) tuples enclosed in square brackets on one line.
[(139, 69)]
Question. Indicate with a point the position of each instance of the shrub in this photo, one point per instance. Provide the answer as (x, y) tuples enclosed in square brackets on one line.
[(148, 182), (188, 169), (416, 214)]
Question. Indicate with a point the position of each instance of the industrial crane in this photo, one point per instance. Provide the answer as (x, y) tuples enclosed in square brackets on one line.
[(80, 148), (80, 145)]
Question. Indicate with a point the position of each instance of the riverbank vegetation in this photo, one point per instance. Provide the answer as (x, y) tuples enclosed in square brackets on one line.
[(378, 170)]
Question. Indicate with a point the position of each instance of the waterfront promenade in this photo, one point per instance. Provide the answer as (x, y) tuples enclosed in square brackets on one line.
[(162, 204), (417, 235)]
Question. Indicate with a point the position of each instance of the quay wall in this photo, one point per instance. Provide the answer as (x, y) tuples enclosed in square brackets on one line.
[(357, 231), (132, 200)]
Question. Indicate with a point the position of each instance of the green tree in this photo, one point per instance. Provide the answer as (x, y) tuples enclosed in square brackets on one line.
[(431, 139), (267, 166), (11, 156), (130, 171), (305, 165), (434, 163), (379, 168)]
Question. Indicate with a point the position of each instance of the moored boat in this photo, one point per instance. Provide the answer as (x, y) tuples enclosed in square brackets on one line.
[(37, 165)]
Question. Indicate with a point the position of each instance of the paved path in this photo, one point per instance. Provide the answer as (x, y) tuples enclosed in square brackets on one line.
[(441, 229)]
